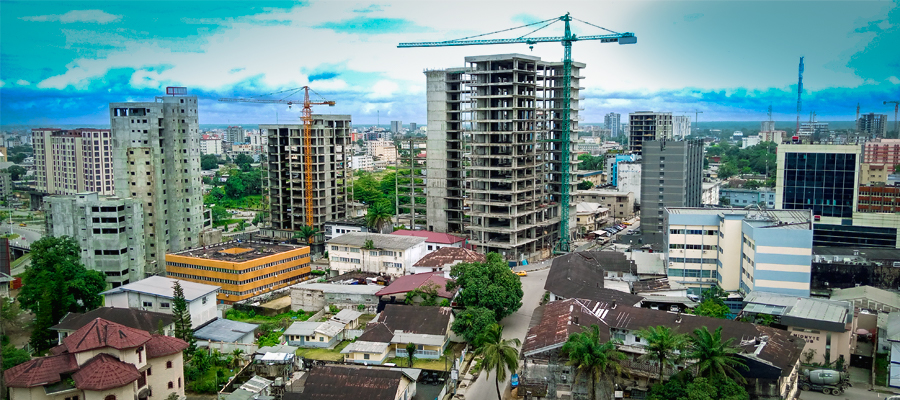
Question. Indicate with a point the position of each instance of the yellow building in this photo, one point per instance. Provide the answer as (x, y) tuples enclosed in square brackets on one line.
[(242, 269)]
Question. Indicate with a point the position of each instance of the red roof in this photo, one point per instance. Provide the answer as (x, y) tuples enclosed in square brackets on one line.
[(449, 256), (431, 237), (406, 283), (160, 345), (101, 333), (104, 372), (40, 371)]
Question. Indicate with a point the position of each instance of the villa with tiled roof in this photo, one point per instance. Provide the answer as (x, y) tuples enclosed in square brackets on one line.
[(103, 360)]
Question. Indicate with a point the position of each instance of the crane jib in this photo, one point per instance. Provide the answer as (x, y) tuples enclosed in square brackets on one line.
[(624, 38)]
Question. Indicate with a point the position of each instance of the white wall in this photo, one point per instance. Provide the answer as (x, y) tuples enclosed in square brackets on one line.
[(200, 313), (375, 263)]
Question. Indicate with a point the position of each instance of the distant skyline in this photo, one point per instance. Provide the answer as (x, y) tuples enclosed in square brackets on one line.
[(63, 62)]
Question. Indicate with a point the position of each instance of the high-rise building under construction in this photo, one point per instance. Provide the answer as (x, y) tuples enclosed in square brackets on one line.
[(504, 113)]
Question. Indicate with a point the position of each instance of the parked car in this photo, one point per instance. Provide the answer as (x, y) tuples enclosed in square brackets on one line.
[(522, 273)]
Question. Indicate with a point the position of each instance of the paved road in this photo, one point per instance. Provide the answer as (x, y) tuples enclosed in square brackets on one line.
[(853, 393), (514, 326), (27, 235)]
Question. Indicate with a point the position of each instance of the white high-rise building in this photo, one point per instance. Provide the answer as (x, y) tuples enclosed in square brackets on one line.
[(613, 122), (681, 126)]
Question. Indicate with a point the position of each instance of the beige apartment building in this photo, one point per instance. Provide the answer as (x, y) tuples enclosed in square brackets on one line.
[(73, 161)]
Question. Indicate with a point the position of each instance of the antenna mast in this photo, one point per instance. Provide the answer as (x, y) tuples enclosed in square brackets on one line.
[(799, 95)]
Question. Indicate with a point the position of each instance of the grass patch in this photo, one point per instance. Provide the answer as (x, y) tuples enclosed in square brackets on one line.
[(325, 354), (20, 260), (226, 222), (10, 236), (439, 364), (253, 318), (365, 319), (881, 369), (210, 381)]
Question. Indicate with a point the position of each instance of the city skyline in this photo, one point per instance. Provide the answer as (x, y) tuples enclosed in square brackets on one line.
[(717, 57)]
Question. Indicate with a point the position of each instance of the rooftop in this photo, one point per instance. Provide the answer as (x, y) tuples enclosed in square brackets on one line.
[(224, 330), (336, 288), (138, 319), (406, 283), (801, 311), (302, 328), (581, 275), (162, 287), (774, 217), (348, 383), (867, 293), (101, 333), (448, 256), (236, 251), (380, 241), (104, 372), (430, 236)]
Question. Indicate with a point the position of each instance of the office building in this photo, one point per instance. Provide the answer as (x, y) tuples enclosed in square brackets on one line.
[(6, 186), (448, 100), (211, 144), (157, 293), (234, 134), (412, 127), (750, 141), (671, 176), (383, 150), (882, 151), (736, 197), (396, 126), (812, 131), (681, 126), (629, 179), (390, 254), (243, 269), (613, 122), (109, 230), (739, 250), (648, 125), (612, 165), (287, 173), (73, 161), (822, 178), (872, 124), (156, 157)]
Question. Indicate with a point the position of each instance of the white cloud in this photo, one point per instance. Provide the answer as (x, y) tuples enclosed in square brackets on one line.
[(2, 84), (22, 82), (894, 80), (383, 89), (89, 16)]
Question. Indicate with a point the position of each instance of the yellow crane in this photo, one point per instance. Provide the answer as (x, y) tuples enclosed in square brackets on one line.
[(306, 117)]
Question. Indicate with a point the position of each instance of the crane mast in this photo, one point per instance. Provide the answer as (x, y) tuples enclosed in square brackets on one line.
[(563, 245), (896, 124), (799, 94)]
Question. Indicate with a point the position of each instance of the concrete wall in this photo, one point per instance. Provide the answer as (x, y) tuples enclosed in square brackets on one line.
[(671, 175)]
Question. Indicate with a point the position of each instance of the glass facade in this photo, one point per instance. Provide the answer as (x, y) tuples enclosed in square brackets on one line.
[(823, 182), (854, 236)]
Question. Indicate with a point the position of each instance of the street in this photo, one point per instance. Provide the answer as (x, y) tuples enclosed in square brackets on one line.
[(514, 326), (854, 393)]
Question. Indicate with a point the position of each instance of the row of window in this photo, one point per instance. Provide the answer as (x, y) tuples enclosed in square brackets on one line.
[(236, 282), (373, 253), (107, 220), (110, 252), (693, 246), (691, 273), (293, 279), (748, 242), (692, 260), (108, 231), (692, 232), (234, 271)]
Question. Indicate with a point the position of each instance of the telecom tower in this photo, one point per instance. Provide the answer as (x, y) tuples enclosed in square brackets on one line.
[(799, 95)]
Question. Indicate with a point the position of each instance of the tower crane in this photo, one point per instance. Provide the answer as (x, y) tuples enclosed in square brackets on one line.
[(306, 117), (563, 245), (896, 125), (696, 117)]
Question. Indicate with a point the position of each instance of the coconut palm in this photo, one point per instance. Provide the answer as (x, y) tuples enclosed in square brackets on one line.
[(715, 358), (306, 232), (663, 346), (410, 354), (379, 214), (591, 357), (236, 358), (498, 354)]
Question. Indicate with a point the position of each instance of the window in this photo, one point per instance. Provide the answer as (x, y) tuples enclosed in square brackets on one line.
[(365, 356), (204, 300), (321, 339), (110, 397), (171, 385), (148, 304), (149, 372), (168, 365), (164, 305)]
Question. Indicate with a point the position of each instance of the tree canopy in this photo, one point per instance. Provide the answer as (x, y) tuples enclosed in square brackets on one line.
[(471, 322), (712, 303), (16, 172), (242, 159), (55, 284), (209, 161), (689, 388), (591, 357), (490, 284), (750, 160), (591, 163)]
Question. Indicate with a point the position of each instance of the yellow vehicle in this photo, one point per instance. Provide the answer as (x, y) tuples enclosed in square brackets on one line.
[(522, 273), (626, 223), (23, 224)]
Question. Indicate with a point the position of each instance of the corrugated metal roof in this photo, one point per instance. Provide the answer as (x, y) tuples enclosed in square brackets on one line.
[(224, 330), (799, 307), (162, 287), (365, 347), (302, 328), (380, 241)]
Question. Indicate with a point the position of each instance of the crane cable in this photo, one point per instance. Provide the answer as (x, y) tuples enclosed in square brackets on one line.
[(504, 30)]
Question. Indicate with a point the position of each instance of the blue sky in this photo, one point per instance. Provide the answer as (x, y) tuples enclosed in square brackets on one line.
[(63, 62)]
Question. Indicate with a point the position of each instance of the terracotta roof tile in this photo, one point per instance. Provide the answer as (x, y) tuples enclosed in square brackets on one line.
[(406, 283), (104, 372), (40, 371), (101, 333), (348, 383), (431, 237), (449, 256), (138, 319), (160, 345)]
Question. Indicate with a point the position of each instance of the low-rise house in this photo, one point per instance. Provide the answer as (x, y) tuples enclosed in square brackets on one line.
[(337, 228), (427, 282), (316, 296), (443, 259), (584, 275), (388, 254), (102, 360), (433, 240), (256, 388), (772, 355), (869, 298), (355, 383), (275, 361), (324, 334), (828, 326), (388, 334), (226, 335), (156, 294), (590, 216), (619, 203), (142, 320)]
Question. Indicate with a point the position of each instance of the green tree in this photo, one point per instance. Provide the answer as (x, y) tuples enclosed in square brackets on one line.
[(498, 354), (55, 284), (243, 159), (585, 185), (592, 358), (752, 184), (184, 329), (15, 172), (591, 163), (234, 186), (664, 346), (220, 213), (716, 358), (379, 215), (236, 358), (215, 195), (13, 356), (307, 233), (712, 303), (427, 295), (410, 354), (691, 388), (488, 284), (209, 161), (471, 322)]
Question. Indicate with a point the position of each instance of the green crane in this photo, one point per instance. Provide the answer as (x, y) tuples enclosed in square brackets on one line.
[(564, 244)]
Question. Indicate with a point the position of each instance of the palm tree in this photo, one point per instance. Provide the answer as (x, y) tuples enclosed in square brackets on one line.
[(499, 355), (378, 215), (715, 358), (590, 357), (236, 358), (307, 232), (410, 353), (663, 346)]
